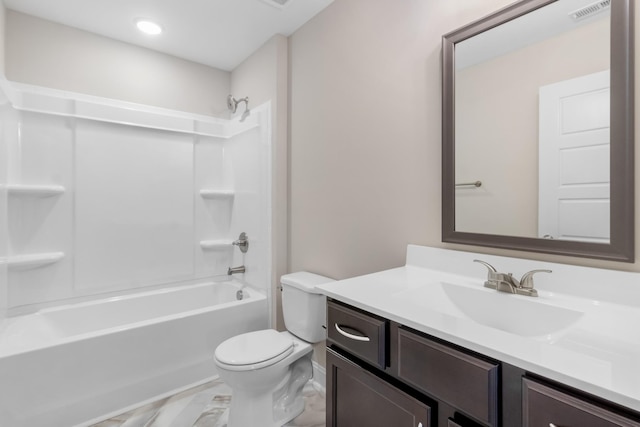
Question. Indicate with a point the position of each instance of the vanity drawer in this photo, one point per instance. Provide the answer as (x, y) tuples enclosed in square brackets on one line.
[(362, 334), (459, 379), (543, 406)]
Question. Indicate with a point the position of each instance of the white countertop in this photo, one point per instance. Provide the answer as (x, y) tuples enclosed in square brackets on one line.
[(598, 352)]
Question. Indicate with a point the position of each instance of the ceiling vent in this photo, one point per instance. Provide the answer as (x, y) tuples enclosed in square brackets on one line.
[(590, 10), (278, 4)]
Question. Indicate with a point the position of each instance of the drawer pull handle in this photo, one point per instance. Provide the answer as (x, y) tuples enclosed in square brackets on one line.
[(361, 337)]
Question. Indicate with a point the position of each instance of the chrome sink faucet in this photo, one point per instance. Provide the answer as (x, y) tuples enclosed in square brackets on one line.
[(505, 282)]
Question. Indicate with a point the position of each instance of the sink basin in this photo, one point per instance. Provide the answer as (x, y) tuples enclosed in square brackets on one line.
[(520, 315)]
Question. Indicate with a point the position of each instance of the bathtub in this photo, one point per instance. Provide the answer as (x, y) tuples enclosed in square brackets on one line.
[(75, 365)]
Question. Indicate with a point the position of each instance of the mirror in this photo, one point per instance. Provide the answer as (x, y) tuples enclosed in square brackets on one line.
[(538, 129)]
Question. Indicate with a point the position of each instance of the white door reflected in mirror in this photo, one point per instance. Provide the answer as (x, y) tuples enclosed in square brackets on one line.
[(574, 157)]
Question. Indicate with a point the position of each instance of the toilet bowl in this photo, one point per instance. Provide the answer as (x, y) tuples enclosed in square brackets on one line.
[(267, 369), (266, 387)]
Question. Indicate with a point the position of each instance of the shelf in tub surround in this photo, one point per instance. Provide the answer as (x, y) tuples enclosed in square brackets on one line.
[(214, 245), (25, 190), (217, 194), (25, 262), (25, 97)]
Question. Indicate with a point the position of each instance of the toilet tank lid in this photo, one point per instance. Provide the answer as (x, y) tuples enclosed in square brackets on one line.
[(305, 281)]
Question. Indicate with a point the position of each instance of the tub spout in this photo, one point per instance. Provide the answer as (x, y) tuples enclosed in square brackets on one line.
[(235, 270)]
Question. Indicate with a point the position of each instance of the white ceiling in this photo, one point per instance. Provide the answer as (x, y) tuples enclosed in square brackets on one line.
[(218, 33)]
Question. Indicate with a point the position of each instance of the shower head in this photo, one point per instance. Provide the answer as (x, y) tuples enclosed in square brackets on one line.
[(232, 105)]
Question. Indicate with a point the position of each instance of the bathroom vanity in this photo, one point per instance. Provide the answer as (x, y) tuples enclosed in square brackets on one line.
[(428, 345)]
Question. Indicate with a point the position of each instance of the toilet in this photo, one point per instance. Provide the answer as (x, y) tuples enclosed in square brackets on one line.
[(267, 369)]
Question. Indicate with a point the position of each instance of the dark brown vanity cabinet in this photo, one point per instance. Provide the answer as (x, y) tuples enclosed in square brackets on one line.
[(545, 406), (381, 373), (360, 398)]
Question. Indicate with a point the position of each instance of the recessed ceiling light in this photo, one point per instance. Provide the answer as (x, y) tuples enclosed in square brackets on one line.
[(148, 27)]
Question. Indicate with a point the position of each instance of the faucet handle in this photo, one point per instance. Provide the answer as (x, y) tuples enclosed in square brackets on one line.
[(242, 242), (527, 279), (491, 268), (493, 277)]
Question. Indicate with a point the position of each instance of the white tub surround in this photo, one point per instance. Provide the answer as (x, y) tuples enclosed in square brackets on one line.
[(596, 349), (79, 364), (107, 197)]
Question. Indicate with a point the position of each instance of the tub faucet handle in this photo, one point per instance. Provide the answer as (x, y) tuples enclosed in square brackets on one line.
[(242, 243)]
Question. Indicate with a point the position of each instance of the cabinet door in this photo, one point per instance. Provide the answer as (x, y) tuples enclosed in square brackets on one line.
[(356, 397), (545, 406)]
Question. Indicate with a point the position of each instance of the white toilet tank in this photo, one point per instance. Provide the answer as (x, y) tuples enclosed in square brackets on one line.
[(303, 306)]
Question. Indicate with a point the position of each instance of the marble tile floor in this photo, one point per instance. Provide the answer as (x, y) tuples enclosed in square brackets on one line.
[(208, 406)]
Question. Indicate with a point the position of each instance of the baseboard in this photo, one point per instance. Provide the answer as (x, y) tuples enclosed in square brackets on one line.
[(319, 376)]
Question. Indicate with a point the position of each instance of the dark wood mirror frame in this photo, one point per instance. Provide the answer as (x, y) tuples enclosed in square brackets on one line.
[(622, 192)]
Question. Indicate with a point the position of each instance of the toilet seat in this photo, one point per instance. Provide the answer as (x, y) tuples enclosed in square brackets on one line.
[(253, 350)]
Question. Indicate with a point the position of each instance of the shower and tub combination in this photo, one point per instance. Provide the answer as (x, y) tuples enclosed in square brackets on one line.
[(119, 224)]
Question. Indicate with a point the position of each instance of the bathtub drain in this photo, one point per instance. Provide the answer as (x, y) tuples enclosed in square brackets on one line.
[(239, 295)]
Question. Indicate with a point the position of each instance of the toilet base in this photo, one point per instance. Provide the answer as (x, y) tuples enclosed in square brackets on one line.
[(270, 396), (288, 400), (272, 408)]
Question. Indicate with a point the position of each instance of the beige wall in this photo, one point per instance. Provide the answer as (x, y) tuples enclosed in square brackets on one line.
[(497, 139), (3, 13), (365, 131), (365, 134), (3, 176), (263, 77), (43, 53)]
